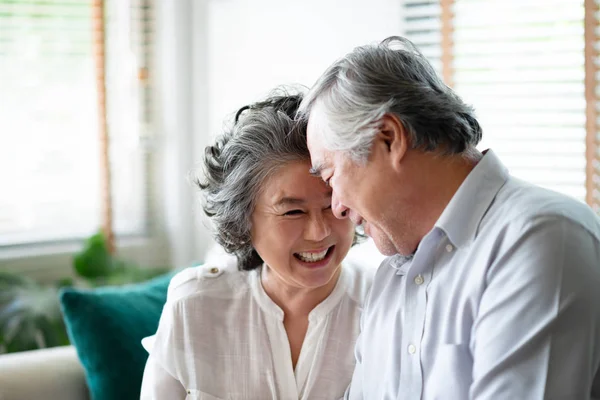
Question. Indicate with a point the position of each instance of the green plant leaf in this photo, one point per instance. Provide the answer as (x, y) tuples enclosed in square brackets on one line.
[(30, 315), (94, 260), (128, 274)]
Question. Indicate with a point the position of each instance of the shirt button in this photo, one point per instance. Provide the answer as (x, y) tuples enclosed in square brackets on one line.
[(214, 270), (449, 248), (412, 349), (419, 280)]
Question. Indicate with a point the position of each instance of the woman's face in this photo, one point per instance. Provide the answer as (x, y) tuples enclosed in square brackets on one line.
[(294, 230)]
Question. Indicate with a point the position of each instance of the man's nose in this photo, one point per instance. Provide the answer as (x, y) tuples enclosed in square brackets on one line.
[(339, 209)]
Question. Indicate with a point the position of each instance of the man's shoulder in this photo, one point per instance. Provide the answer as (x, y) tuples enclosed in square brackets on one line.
[(522, 204)]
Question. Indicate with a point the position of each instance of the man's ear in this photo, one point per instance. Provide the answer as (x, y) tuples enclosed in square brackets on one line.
[(393, 134)]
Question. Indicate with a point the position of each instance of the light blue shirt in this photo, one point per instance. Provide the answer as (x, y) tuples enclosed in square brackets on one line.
[(500, 301)]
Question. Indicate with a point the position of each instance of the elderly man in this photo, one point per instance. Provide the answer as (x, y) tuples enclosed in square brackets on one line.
[(492, 290)]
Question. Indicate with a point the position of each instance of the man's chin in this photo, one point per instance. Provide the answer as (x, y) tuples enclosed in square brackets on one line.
[(384, 245), (386, 251)]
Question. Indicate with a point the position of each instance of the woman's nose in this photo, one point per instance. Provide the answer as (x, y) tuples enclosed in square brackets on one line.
[(318, 228)]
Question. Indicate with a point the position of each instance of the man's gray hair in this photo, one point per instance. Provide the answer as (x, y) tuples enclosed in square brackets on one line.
[(264, 137), (390, 77)]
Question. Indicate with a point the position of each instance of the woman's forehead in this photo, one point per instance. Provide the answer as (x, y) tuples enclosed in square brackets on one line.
[(293, 185)]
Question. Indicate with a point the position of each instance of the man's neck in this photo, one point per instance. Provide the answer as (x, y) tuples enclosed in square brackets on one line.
[(438, 180)]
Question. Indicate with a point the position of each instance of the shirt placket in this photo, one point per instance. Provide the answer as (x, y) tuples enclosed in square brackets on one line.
[(308, 358), (285, 380), (415, 307)]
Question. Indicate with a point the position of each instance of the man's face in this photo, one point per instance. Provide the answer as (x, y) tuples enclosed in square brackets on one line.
[(359, 191)]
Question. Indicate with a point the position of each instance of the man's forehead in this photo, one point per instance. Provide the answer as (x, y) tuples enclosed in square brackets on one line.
[(319, 157), (315, 130)]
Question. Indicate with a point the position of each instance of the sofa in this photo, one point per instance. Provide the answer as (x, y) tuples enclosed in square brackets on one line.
[(50, 374)]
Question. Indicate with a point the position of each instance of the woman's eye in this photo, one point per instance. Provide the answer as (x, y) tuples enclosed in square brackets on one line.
[(294, 212), (327, 181)]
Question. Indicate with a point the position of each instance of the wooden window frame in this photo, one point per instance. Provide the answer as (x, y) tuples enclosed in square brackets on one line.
[(592, 183)]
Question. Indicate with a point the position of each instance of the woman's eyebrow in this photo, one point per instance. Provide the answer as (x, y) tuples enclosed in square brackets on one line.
[(286, 201)]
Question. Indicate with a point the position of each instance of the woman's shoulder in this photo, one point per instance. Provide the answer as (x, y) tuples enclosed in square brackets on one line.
[(359, 278), (218, 277)]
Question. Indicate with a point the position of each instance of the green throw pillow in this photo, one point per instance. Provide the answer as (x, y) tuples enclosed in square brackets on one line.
[(106, 326)]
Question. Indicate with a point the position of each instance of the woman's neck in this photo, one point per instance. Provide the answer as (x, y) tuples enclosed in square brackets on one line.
[(294, 300)]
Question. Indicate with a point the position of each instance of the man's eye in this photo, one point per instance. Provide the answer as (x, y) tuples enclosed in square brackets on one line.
[(294, 212)]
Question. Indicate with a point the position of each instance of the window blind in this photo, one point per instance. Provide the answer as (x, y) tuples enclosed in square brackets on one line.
[(49, 152), (129, 43), (520, 63), (592, 95), (422, 21)]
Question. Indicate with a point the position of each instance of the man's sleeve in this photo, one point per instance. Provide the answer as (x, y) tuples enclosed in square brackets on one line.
[(537, 328)]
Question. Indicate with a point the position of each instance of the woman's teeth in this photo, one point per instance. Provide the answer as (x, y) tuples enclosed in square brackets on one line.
[(312, 257)]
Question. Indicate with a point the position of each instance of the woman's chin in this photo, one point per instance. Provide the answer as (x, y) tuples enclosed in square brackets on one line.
[(314, 277)]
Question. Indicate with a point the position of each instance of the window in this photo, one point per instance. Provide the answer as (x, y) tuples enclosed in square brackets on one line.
[(50, 164), (522, 65), (423, 26)]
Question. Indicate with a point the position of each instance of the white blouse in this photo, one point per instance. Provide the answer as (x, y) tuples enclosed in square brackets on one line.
[(221, 337)]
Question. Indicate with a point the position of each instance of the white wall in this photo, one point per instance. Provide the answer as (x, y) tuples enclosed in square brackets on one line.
[(256, 45)]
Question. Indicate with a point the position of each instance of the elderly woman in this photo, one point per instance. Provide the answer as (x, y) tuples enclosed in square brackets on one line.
[(282, 322)]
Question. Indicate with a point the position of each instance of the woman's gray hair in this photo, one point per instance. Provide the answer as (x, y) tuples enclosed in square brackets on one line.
[(390, 77), (264, 136)]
